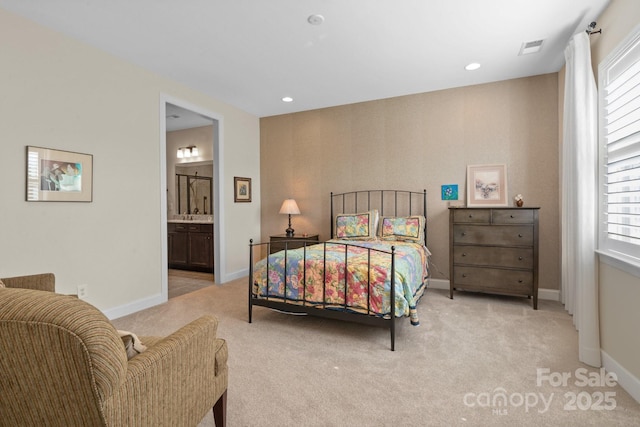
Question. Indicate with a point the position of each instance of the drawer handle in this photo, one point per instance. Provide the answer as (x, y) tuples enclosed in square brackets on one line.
[(519, 258), (520, 281), (464, 274), (464, 233), (464, 254), (511, 216), (470, 216), (519, 235)]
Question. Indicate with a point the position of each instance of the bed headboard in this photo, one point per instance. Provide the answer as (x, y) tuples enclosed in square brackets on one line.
[(387, 202)]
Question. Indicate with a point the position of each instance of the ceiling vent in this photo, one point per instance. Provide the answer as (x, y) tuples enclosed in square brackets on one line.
[(531, 47)]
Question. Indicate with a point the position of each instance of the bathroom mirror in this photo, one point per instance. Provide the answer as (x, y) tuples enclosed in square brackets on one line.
[(194, 190)]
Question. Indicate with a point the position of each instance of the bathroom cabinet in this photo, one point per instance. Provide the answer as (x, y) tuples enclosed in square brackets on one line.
[(190, 246)]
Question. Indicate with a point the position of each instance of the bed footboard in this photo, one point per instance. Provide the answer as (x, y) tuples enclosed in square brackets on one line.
[(325, 307)]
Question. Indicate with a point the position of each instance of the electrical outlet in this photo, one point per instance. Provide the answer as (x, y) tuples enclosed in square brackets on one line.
[(83, 291)]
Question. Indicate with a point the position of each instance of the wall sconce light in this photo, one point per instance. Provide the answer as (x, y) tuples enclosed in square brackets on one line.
[(186, 152), (289, 207)]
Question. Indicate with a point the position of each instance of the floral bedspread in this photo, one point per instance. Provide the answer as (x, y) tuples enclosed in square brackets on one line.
[(311, 280)]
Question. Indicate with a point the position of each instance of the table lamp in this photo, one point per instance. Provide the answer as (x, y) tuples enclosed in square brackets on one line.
[(289, 207)]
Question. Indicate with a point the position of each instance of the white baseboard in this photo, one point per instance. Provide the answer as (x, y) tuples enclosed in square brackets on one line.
[(549, 294), (134, 306), (439, 284), (236, 275), (546, 294), (626, 379)]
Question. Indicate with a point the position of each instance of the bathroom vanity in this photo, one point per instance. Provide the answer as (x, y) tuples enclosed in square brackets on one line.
[(190, 245)]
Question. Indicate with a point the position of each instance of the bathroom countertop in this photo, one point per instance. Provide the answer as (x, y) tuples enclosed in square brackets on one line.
[(189, 221)]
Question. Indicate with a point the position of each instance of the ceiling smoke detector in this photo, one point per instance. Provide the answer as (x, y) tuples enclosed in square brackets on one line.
[(531, 47), (315, 19)]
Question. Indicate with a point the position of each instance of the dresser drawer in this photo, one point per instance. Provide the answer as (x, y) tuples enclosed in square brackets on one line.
[(503, 257), (512, 216), (497, 235), (475, 216), (498, 280)]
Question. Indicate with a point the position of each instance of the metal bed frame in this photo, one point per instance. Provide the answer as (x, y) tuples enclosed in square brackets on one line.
[(397, 203)]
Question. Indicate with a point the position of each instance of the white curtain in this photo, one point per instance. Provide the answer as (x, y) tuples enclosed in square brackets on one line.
[(579, 198)]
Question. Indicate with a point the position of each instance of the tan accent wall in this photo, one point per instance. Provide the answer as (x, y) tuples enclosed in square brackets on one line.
[(418, 142), (619, 291)]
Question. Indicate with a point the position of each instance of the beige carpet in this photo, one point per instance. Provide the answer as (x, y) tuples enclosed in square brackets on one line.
[(452, 370)]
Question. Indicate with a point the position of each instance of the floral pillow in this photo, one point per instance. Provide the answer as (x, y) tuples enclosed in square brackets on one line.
[(360, 226), (407, 228)]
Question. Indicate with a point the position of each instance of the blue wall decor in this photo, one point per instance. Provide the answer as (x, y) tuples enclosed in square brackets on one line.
[(450, 192)]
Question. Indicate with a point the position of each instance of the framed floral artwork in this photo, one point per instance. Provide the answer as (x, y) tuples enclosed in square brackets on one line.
[(242, 189), (487, 185)]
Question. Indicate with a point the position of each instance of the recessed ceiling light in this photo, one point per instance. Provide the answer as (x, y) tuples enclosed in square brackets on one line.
[(472, 66), (287, 99), (315, 19)]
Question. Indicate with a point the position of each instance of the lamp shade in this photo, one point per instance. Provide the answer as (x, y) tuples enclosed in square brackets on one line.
[(290, 207)]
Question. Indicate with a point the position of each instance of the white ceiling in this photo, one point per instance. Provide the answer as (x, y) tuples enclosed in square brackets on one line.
[(251, 53), (179, 118)]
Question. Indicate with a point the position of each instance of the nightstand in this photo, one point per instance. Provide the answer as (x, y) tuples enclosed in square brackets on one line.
[(279, 241)]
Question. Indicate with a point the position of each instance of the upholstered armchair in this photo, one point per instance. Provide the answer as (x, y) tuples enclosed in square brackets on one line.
[(62, 363), (40, 282)]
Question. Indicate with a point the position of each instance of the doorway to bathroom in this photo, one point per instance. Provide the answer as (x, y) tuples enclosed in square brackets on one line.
[(191, 222)]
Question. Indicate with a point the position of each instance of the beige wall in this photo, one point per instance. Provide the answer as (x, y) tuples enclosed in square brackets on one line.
[(59, 93), (417, 142), (619, 291)]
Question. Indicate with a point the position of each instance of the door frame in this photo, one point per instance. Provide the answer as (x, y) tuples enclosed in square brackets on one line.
[(218, 177)]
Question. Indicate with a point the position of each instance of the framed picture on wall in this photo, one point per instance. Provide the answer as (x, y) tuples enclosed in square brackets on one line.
[(242, 189), (58, 176), (487, 185)]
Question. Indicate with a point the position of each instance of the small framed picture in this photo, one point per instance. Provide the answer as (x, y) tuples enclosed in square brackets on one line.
[(450, 192), (58, 176), (487, 185), (242, 189)]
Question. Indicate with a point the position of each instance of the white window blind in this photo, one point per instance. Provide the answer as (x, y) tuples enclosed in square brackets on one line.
[(33, 175), (619, 109)]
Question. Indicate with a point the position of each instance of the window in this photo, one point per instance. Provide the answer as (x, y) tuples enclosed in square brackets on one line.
[(619, 116)]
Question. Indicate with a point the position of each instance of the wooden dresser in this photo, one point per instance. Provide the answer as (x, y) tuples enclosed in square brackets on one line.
[(494, 250)]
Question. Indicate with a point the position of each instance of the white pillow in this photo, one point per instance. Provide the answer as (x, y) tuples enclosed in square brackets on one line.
[(132, 343)]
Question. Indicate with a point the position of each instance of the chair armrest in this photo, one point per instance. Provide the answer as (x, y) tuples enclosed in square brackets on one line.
[(38, 282), (176, 381)]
